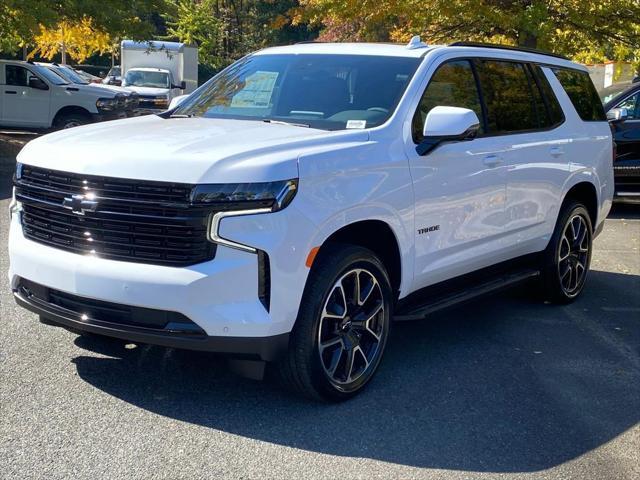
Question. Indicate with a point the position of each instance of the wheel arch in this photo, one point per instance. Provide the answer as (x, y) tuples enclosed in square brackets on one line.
[(70, 109), (585, 192), (379, 237)]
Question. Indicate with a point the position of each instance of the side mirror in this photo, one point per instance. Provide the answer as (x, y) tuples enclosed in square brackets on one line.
[(617, 114), (175, 101), (38, 84), (181, 86), (448, 124)]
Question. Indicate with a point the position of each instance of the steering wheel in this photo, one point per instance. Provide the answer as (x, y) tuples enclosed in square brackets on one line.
[(378, 109)]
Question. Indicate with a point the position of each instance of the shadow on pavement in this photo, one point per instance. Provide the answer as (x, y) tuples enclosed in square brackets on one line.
[(625, 210), (505, 384)]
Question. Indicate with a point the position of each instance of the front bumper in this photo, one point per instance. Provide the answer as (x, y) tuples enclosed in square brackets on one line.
[(175, 334), (220, 296), (106, 116)]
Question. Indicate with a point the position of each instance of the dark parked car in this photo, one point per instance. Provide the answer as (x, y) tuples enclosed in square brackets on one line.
[(627, 135), (113, 76)]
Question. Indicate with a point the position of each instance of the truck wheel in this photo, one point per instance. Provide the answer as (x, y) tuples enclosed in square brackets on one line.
[(342, 326), (70, 120), (568, 256)]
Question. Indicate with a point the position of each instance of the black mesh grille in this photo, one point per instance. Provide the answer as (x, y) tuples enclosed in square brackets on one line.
[(139, 221)]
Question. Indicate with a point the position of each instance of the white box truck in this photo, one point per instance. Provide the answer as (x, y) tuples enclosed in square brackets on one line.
[(158, 71)]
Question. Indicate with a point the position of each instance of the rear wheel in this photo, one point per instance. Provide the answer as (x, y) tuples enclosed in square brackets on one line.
[(568, 256), (342, 327)]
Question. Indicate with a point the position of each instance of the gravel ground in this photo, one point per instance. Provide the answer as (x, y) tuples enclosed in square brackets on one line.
[(505, 387)]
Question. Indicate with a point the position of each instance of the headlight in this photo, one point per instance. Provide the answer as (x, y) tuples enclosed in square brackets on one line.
[(106, 104), (246, 196), (15, 206), (232, 200)]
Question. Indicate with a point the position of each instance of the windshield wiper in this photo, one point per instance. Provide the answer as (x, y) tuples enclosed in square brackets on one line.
[(280, 122), (181, 115)]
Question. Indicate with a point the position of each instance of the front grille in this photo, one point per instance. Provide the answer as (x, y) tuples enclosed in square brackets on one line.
[(149, 101), (134, 221), (100, 312)]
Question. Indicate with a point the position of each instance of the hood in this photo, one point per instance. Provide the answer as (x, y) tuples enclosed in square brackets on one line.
[(112, 88), (184, 150), (151, 91), (93, 89)]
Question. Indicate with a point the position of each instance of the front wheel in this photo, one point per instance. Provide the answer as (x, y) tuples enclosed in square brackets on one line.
[(568, 256), (342, 327), (71, 120)]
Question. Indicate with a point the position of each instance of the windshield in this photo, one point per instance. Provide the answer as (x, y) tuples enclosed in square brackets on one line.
[(114, 72), (609, 93), (329, 92), (142, 78), (68, 74), (72, 75), (50, 76)]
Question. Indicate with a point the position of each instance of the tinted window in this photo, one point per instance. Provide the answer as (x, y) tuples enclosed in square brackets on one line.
[(452, 85), (144, 78), (554, 115), (507, 95), (582, 93), (330, 92), (632, 104), (17, 76)]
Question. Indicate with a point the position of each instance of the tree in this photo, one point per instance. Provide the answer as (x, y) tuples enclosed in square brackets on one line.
[(78, 40), (584, 29), (225, 30), (22, 20)]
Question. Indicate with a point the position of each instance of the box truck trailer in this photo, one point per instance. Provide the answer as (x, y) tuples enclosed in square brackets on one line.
[(158, 71)]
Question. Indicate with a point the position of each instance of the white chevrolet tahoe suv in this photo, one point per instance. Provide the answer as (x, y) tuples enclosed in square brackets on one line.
[(33, 96), (293, 206)]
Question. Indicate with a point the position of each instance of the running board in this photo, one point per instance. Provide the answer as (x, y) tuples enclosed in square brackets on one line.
[(454, 297)]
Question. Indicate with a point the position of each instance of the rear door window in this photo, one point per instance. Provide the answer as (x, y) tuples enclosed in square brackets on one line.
[(582, 93), (550, 112), (16, 76), (506, 89)]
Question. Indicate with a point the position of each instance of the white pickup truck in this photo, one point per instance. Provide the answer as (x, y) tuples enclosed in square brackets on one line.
[(32, 96)]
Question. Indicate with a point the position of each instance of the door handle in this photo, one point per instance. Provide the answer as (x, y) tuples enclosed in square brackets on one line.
[(492, 160), (556, 152), (10, 92)]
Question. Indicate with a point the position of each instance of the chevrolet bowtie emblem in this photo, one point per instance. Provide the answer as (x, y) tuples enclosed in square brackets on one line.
[(80, 204)]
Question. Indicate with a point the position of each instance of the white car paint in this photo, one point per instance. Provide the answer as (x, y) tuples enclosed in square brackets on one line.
[(32, 108), (494, 198), (175, 101)]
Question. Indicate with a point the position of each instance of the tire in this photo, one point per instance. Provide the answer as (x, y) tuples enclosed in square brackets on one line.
[(70, 120), (328, 373), (568, 257)]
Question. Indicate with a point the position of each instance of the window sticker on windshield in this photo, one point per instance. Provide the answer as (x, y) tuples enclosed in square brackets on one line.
[(257, 90), (356, 124)]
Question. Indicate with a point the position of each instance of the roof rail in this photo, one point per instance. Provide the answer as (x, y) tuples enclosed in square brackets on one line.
[(507, 47)]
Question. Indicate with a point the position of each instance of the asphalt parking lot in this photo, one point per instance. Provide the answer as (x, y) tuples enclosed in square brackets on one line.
[(505, 387)]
